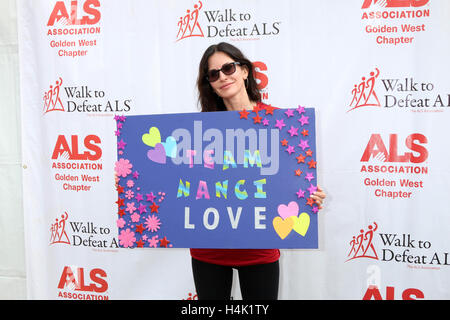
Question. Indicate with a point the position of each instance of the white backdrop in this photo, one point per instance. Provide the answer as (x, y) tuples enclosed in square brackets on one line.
[(381, 148)]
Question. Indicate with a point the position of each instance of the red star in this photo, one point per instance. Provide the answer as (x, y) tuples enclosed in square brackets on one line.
[(310, 202), (140, 243), (244, 114), (154, 208), (312, 164), (305, 132), (309, 153), (164, 242), (269, 110), (140, 228), (120, 202), (256, 108), (284, 142), (119, 189), (257, 119), (121, 212), (300, 158), (298, 172)]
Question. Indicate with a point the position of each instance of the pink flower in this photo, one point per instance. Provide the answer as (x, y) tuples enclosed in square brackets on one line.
[(129, 194), (123, 167), (126, 238), (135, 217), (152, 223), (130, 183), (120, 223), (130, 207)]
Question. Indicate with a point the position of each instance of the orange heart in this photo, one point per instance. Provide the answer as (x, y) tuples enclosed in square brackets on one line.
[(283, 227)]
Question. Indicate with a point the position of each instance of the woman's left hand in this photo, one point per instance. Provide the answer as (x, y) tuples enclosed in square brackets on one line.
[(319, 196)]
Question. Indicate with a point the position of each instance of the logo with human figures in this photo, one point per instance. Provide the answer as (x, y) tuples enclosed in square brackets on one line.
[(188, 25), (52, 101), (58, 230), (363, 93), (361, 246)]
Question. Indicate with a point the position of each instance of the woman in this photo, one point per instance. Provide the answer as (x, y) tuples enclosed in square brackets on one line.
[(225, 82)]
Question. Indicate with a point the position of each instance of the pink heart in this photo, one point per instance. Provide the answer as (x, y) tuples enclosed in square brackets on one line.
[(286, 211), (158, 154)]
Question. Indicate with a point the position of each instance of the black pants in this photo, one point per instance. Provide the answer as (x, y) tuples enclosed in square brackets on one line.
[(258, 282)]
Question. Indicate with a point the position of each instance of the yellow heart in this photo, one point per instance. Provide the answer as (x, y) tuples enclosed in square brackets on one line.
[(152, 137), (301, 223), (282, 227)]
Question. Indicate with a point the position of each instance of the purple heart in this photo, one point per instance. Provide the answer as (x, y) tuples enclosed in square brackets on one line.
[(158, 154)]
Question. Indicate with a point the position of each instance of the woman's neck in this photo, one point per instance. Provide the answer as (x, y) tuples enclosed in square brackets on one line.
[(239, 104)]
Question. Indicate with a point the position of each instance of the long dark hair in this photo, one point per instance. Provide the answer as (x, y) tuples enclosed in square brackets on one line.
[(208, 99)]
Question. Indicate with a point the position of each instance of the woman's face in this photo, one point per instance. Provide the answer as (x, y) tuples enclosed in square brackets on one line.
[(227, 86)]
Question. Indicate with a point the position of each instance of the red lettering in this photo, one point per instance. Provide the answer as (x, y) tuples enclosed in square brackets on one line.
[(409, 293), (89, 7), (423, 152), (396, 3), (96, 149), (97, 276), (375, 146), (262, 77), (89, 142)]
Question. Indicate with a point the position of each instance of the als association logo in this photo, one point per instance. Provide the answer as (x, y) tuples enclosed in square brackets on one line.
[(58, 230), (188, 25), (363, 93), (395, 27), (361, 246), (396, 93), (81, 98), (73, 29), (262, 79), (202, 22), (76, 283)]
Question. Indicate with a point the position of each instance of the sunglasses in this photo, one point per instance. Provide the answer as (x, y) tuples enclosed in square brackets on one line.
[(227, 69)]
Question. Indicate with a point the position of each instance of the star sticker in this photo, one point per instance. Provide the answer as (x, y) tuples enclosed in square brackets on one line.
[(315, 209), (257, 119), (312, 189), (280, 124), (305, 133), (300, 193), (312, 163), (119, 189), (284, 142), (289, 113), (310, 202), (256, 108), (303, 120), (142, 208), (140, 243), (269, 110), (300, 109), (150, 196), (121, 144), (309, 176), (121, 212), (265, 122), (309, 153), (140, 228), (290, 149), (154, 208), (303, 144), (116, 117), (120, 202), (122, 118), (117, 133), (244, 114), (163, 242), (139, 197), (298, 172), (300, 158), (135, 174), (119, 125), (293, 131)]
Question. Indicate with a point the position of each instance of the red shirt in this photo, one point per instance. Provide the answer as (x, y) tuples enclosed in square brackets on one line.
[(237, 257)]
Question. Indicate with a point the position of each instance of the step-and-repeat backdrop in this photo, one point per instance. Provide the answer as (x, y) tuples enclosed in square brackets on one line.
[(376, 73)]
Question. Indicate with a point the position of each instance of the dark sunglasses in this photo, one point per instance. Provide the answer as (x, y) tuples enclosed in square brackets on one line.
[(227, 69)]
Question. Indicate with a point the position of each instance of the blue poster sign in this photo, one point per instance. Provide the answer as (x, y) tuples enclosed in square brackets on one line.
[(217, 179)]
